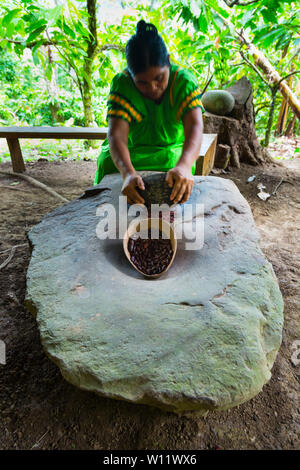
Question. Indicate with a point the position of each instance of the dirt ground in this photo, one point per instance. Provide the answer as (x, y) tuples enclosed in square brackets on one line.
[(40, 410)]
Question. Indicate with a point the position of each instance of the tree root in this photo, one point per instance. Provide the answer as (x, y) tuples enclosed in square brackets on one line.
[(36, 183), (9, 258)]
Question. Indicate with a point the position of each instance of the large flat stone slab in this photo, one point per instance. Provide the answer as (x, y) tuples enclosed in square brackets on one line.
[(202, 337)]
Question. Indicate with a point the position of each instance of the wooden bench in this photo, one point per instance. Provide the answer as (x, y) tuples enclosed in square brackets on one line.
[(204, 164)]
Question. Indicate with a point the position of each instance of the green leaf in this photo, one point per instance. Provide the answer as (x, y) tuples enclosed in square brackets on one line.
[(213, 5), (30, 18), (35, 33), (74, 10), (3, 44), (10, 29), (20, 28), (224, 52), (68, 31), (202, 23), (270, 40), (48, 72), (9, 16), (269, 15), (81, 29), (35, 25), (35, 57), (207, 57), (19, 49), (246, 17), (55, 13), (262, 37), (33, 7)]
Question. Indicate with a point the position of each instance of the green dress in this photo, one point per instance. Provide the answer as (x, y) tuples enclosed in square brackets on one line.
[(156, 132)]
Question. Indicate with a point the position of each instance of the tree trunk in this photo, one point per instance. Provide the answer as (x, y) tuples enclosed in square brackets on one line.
[(283, 113), (290, 127), (53, 92), (89, 118), (270, 119), (237, 139)]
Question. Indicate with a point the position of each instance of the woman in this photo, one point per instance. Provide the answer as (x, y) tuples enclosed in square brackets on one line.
[(154, 119)]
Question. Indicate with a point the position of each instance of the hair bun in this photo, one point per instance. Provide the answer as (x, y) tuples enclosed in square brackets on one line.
[(143, 28)]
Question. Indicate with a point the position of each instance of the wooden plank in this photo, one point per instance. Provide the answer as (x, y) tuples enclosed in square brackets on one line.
[(16, 155), (209, 159), (205, 162), (54, 132)]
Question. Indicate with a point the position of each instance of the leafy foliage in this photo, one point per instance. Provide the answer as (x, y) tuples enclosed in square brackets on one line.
[(47, 71)]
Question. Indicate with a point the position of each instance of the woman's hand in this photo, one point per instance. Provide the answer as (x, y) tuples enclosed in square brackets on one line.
[(128, 189), (181, 179)]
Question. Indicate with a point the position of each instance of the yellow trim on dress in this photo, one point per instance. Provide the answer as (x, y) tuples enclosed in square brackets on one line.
[(119, 112), (187, 100), (126, 105)]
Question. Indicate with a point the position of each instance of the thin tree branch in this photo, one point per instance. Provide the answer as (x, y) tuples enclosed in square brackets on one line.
[(237, 2), (50, 42), (70, 63), (287, 76), (294, 55), (106, 47), (254, 68), (30, 45), (66, 71)]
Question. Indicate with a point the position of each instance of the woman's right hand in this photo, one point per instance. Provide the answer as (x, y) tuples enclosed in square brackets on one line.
[(131, 181)]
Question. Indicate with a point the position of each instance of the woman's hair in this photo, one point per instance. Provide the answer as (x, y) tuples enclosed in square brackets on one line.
[(145, 49)]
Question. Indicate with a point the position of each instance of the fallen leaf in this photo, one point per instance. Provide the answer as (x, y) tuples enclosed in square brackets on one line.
[(264, 196), (251, 178)]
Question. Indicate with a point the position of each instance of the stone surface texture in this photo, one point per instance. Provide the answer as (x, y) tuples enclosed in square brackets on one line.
[(202, 337)]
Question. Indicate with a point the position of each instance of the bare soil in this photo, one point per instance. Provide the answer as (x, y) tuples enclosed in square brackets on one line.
[(40, 410)]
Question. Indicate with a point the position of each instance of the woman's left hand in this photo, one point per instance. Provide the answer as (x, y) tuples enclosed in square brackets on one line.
[(181, 179)]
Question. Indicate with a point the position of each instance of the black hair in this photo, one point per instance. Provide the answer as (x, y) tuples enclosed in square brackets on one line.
[(145, 48)]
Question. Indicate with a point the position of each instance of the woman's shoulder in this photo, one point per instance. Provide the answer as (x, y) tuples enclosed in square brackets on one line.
[(183, 75), (122, 82), (124, 100), (185, 92)]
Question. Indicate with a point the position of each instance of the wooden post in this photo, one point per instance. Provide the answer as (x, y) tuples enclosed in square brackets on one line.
[(205, 161), (16, 155)]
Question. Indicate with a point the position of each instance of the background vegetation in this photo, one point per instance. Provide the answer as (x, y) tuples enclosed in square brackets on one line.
[(57, 58)]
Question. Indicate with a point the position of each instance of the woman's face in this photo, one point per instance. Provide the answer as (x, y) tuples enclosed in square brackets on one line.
[(153, 83)]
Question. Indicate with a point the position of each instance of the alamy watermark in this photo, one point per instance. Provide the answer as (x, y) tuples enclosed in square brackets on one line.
[(188, 225)]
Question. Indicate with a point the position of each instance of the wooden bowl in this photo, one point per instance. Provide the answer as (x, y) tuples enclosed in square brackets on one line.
[(145, 224)]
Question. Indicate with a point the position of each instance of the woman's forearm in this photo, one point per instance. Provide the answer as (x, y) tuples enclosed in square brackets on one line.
[(120, 156)]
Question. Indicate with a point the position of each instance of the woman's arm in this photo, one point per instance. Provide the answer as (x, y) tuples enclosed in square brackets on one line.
[(118, 130), (181, 177), (193, 132)]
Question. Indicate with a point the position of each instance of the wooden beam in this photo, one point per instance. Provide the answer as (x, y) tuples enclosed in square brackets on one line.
[(16, 155), (54, 132)]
